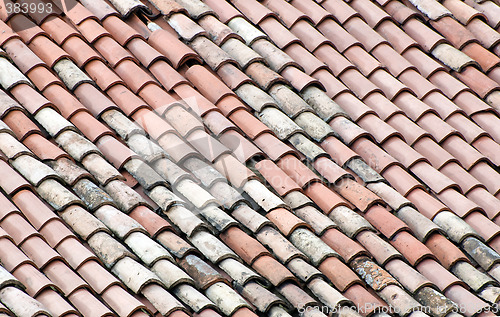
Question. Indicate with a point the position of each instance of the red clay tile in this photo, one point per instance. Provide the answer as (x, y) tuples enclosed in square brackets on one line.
[(346, 247), (278, 33), (97, 276), (243, 149), (398, 39), (439, 129), (115, 151), (20, 124), (338, 151), (485, 227), (373, 14), (433, 152), (196, 101), (253, 11), (485, 200), (208, 84), (299, 172), (379, 129), (135, 77), (411, 132), (462, 12), (311, 38), (11, 256), (39, 251), (458, 203), (426, 204), (478, 81), (364, 61), (288, 13), (374, 156), (413, 250), (272, 146), (333, 86), (425, 64), (153, 223), (437, 274), (66, 103), (152, 123), (401, 180), (381, 251), (232, 76), (64, 277), (272, 270), (449, 85), (43, 148), (122, 302), (224, 10), (245, 246), (285, 221), (278, 179), (7, 33), (230, 105), (10, 181), (348, 130), (59, 30), (325, 198), (25, 28), (4, 14), (487, 121), (299, 80), (403, 152), (93, 100), (454, 32), (56, 304), (120, 30), (366, 302), (340, 274), (357, 194), (458, 174), (42, 78), (466, 154), (445, 251), (29, 98), (24, 58), (264, 76), (329, 170), (152, 95), (47, 50), (485, 58), (427, 38), (55, 231), (419, 85), (471, 303), (392, 60), (310, 63), (178, 55), (34, 281), (359, 84), (78, 14), (364, 33), (482, 171), (431, 177), (80, 51), (89, 126), (102, 75), (384, 221), (86, 303), (337, 63), (340, 10), (111, 50)]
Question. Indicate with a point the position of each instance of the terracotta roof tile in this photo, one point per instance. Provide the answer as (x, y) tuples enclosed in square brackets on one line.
[(429, 137)]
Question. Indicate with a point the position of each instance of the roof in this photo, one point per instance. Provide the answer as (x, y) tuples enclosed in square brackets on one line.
[(245, 158)]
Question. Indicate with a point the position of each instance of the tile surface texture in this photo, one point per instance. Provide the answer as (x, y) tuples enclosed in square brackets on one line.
[(250, 158)]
